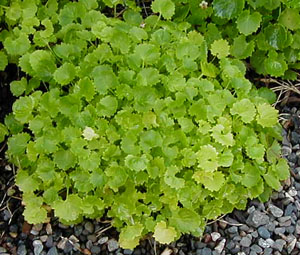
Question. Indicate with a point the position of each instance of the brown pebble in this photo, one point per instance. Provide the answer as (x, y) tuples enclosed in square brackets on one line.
[(243, 233), (26, 227), (86, 252), (207, 238), (223, 224)]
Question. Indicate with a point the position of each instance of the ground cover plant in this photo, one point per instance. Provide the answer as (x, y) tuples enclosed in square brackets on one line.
[(149, 121)]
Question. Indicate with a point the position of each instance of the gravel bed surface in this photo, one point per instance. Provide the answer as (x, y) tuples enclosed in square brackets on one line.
[(269, 228)]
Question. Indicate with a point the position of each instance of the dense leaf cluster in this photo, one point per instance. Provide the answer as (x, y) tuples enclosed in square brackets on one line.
[(266, 31), (146, 121)]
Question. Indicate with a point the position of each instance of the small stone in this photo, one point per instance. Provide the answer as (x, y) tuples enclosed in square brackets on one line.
[(49, 229), (280, 230), (278, 244), (257, 218), (52, 251), (43, 238), (21, 250), (68, 247), (62, 226), (263, 232), (290, 229), (78, 230), (268, 251), (73, 239), (246, 241), (89, 244), (38, 247), (206, 251), (62, 243), (95, 249), (291, 245), (256, 248), (285, 223), (93, 238), (254, 234), (103, 240), (286, 151), (241, 253), (219, 248), (263, 243), (289, 210), (222, 224), (200, 245), (49, 242), (215, 236), (37, 227), (112, 245), (230, 245), (127, 252), (276, 212), (89, 227), (232, 230), (292, 192)]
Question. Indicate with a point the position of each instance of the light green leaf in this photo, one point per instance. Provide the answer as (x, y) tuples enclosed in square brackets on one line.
[(248, 23), (136, 163), (267, 115), (241, 49), (17, 88), (64, 159), (65, 74), (245, 109), (212, 181), (164, 234), (220, 48), (68, 210), (130, 236), (208, 158), (165, 7), (18, 143)]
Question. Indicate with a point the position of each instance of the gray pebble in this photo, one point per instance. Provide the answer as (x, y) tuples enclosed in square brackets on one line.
[(200, 245), (93, 238), (279, 230), (219, 248), (49, 242), (206, 251), (289, 210), (286, 151), (284, 219), (257, 218), (263, 232), (256, 248), (21, 250), (254, 234), (38, 247), (112, 245), (78, 230), (252, 253), (103, 240), (95, 249), (276, 212), (279, 244), (268, 251), (291, 245), (232, 230), (263, 243), (127, 252), (68, 247), (89, 227), (230, 244), (246, 241), (285, 223), (290, 229), (52, 251)]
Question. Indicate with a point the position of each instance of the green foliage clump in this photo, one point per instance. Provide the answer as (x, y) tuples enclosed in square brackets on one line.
[(266, 31), (145, 121)]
